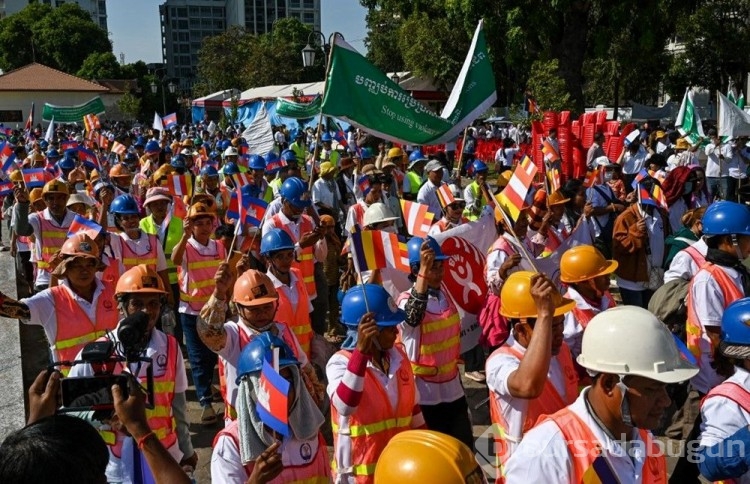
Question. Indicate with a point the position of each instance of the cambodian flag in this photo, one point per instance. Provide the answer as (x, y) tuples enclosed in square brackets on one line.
[(34, 178), (53, 171), (169, 120), (6, 188), (7, 158), (69, 145), (340, 136), (251, 210), (275, 165), (364, 184), (82, 224), (89, 159), (273, 397)]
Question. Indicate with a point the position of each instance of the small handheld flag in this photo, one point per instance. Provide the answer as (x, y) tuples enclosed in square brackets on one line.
[(417, 217), (6, 188), (91, 122), (30, 120), (511, 199), (555, 183), (179, 185), (550, 153), (241, 179), (34, 178), (600, 472), (157, 124), (89, 158), (445, 197), (364, 184), (273, 398), (170, 120), (82, 224), (119, 148), (592, 177), (375, 249), (7, 158), (251, 210), (69, 145)]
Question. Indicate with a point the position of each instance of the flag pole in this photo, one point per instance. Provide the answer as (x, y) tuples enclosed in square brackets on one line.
[(524, 252), (461, 156)]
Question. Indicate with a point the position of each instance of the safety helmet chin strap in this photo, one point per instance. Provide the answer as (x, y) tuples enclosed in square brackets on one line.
[(627, 418)]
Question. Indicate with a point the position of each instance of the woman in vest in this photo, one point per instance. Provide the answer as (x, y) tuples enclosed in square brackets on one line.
[(370, 384), (294, 303), (256, 300), (77, 311), (586, 273), (141, 289), (133, 246), (604, 435), (197, 257), (726, 409), (431, 337), (526, 379), (249, 442)]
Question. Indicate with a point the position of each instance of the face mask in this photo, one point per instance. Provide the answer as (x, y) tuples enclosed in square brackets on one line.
[(390, 229), (607, 176), (688, 188)]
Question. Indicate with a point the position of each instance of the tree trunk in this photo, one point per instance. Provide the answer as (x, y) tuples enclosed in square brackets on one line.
[(571, 50)]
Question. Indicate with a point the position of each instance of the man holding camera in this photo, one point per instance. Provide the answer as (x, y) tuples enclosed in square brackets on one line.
[(141, 290)]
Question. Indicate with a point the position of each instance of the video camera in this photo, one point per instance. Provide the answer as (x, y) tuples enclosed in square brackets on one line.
[(95, 392)]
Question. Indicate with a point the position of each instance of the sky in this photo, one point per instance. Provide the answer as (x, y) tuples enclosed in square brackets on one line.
[(135, 31)]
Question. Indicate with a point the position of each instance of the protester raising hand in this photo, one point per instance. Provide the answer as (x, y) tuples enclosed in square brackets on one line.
[(268, 466), (367, 333)]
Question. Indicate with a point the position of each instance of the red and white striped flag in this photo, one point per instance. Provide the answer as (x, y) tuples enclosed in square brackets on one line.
[(417, 217), (550, 153), (179, 185), (103, 142), (119, 148), (91, 122), (553, 175), (511, 199), (242, 179), (593, 177), (444, 195)]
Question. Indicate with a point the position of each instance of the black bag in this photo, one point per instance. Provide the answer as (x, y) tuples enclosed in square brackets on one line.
[(668, 304)]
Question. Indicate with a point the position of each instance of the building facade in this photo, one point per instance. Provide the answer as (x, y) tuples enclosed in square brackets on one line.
[(96, 8)]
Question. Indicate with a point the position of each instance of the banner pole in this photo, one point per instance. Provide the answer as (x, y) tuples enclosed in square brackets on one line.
[(316, 151), (461, 157)]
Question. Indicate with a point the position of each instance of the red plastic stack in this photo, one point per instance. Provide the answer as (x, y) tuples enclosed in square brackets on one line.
[(549, 121), (587, 135)]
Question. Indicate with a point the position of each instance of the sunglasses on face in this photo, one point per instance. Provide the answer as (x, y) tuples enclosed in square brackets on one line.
[(457, 206)]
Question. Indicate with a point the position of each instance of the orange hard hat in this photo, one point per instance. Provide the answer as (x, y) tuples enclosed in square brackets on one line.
[(200, 209), (94, 177), (35, 195), (140, 279), (254, 288), (16, 176), (55, 186), (120, 170), (80, 245), (518, 302), (584, 262), (557, 198)]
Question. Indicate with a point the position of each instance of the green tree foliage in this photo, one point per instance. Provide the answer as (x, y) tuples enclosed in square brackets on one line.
[(100, 65), (548, 87), (61, 38), (130, 105)]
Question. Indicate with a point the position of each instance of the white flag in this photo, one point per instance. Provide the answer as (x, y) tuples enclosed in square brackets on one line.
[(733, 121), (50, 131), (158, 124), (259, 135), (211, 128)]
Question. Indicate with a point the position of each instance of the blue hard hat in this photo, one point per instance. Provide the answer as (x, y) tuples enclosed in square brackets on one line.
[(734, 323), (256, 162), (293, 189), (231, 169), (414, 249), (214, 155), (326, 137), (289, 156), (101, 185), (275, 240), (71, 153), (479, 166), (365, 153), (167, 150), (416, 155), (209, 170), (66, 163), (260, 349), (153, 147), (724, 218), (224, 144), (43, 144), (178, 162), (124, 205), (131, 156), (53, 153), (365, 298), (140, 141)]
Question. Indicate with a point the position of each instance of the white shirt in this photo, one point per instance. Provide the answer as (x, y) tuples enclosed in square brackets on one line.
[(140, 247), (428, 196), (210, 250), (430, 393), (42, 309), (722, 417), (543, 454), (683, 266), (498, 368), (708, 302), (273, 207), (230, 354), (322, 192), (633, 163), (320, 249), (572, 330), (279, 138), (42, 277), (715, 167)]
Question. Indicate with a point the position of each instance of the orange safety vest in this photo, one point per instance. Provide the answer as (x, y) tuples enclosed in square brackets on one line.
[(160, 418), (197, 283), (298, 320), (53, 239), (584, 448), (316, 472), (735, 393), (230, 412), (74, 328), (375, 422), (583, 316), (439, 344), (730, 293), (130, 259), (549, 402), (306, 262)]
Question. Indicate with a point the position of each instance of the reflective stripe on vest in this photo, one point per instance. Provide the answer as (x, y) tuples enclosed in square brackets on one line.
[(53, 239), (298, 320), (472, 213), (160, 418), (197, 283), (439, 344), (74, 328), (735, 393), (549, 402), (306, 262), (130, 259), (173, 236), (374, 422), (584, 448), (693, 327)]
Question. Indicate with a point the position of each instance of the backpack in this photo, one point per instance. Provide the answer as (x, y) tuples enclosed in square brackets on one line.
[(669, 305)]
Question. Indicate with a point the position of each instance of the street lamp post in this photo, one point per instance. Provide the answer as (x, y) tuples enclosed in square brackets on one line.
[(154, 88)]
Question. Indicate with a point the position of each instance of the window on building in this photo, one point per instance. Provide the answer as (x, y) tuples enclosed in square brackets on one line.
[(308, 3), (194, 11), (308, 18), (182, 12), (183, 24), (294, 3)]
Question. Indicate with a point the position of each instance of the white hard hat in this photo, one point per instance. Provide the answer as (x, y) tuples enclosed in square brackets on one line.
[(376, 213), (231, 151), (629, 340)]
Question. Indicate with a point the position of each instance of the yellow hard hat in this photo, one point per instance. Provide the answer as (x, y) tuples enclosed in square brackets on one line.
[(395, 153), (584, 262), (16, 176), (94, 177), (161, 173), (35, 195), (517, 301), (55, 186), (504, 178), (421, 456)]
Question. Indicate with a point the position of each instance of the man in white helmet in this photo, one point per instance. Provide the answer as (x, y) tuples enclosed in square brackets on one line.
[(631, 357)]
